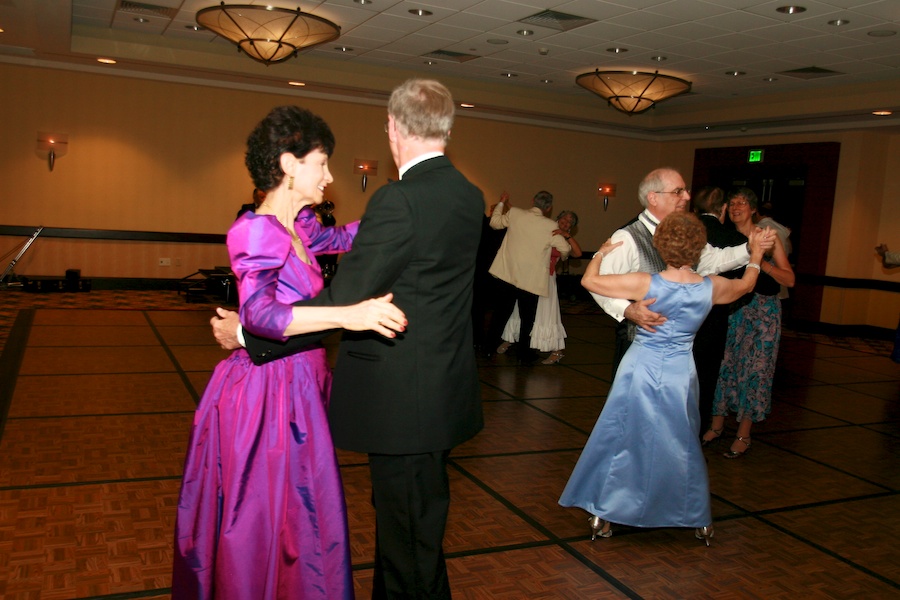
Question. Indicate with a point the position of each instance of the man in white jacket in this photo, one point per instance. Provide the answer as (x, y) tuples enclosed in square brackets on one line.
[(521, 264)]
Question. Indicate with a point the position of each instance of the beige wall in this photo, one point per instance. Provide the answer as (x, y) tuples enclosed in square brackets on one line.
[(158, 156)]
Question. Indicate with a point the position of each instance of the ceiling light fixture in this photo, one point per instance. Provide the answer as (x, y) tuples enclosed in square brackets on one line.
[(659, 58), (265, 33), (882, 113), (735, 73), (791, 10), (632, 92), (420, 13), (882, 33), (617, 50), (525, 32), (839, 22), (106, 61)]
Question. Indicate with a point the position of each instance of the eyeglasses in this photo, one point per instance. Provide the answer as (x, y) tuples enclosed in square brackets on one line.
[(738, 203), (676, 191)]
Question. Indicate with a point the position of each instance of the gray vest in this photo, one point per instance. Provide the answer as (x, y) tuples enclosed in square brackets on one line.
[(651, 261)]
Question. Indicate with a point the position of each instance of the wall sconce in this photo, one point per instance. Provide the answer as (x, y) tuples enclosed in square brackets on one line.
[(366, 167), (51, 146), (607, 190)]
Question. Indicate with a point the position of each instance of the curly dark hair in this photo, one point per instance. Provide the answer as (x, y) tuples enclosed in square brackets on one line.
[(680, 238), (285, 129)]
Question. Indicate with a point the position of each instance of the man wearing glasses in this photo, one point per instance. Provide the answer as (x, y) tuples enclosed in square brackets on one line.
[(661, 193)]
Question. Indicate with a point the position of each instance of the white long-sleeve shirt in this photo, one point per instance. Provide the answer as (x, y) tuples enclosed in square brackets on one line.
[(625, 259)]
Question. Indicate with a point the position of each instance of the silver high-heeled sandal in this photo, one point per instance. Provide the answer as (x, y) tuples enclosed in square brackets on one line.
[(502, 348), (599, 528), (704, 534), (717, 434), (734, 453), (554, 358)]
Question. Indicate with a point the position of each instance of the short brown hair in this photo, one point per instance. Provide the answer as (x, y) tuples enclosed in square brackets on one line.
[(680, 239)]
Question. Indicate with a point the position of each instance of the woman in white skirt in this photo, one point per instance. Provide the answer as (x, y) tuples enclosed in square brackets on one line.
[(548, 334)]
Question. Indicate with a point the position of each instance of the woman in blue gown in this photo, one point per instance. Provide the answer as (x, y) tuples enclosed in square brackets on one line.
[(261, 513), (642, 465)]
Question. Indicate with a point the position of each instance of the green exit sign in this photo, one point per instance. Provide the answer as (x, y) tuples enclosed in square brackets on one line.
[(755, 156)]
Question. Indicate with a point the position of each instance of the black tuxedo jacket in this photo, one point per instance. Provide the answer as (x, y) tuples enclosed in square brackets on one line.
[(418, 392)]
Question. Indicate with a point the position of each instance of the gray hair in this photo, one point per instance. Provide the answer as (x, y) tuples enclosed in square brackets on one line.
[(652, 182), (543, 200), (423, 108)]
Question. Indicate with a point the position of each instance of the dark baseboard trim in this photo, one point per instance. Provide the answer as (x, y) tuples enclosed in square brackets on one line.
[(118, 235)]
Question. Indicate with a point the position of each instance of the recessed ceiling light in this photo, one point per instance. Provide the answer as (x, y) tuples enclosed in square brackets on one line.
[(465, 105), (142, 19), (658, 58), (525, 32), (497, 41), (429, 62), (770, 79), (617, 50), (882, 113), (363, 1), (343, 49), (791, 10), (735, 73), (193, 27), (510, 75), (420, 13), (839, 22), (546, 81), (106, 61), (882, 33), (296, 83)]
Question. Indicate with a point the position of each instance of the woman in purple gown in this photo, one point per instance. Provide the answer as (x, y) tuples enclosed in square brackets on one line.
[(261, 513)]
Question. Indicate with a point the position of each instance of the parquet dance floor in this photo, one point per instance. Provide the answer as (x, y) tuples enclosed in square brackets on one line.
[(97, 392)]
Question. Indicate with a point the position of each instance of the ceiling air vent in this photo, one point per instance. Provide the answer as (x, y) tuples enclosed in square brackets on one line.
[(459, 57), (140, 8), (810, 73), (556, 20)]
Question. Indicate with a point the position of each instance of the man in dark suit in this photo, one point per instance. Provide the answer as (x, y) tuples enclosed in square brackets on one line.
[(407, 401), (709, 344)]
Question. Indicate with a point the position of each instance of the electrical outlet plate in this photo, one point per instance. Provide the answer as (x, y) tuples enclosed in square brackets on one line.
[(165, 262)]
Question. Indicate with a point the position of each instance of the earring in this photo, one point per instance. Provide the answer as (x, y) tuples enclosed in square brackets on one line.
[(291, 182)]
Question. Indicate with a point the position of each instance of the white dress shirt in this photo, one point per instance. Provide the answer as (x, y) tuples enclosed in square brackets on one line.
[(625, 259)]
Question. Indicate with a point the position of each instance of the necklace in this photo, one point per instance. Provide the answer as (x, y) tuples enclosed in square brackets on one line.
[(687, 268)]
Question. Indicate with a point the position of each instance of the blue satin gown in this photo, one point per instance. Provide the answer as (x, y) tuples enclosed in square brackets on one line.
[(643, 465)]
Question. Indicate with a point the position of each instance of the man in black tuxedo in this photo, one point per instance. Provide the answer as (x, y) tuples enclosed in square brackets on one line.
[(407, 401), (709, 344)]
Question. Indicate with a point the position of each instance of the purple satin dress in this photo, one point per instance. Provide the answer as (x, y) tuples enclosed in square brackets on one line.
[(261, 513)]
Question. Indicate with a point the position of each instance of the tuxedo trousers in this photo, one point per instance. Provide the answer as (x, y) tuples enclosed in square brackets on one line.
[(411, 496)]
